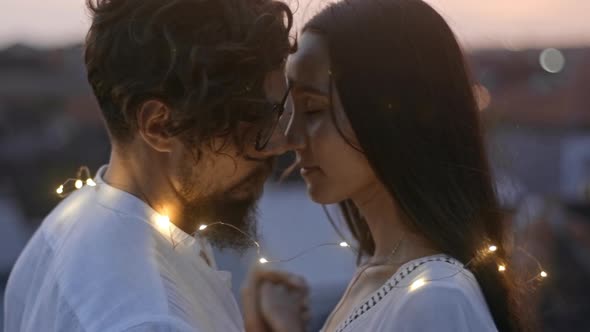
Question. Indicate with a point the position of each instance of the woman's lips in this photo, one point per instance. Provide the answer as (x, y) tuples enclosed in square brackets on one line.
[(309, 170)]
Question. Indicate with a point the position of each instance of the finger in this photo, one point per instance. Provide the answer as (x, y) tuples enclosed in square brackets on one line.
[(282, 277), (306, 316), (257, 276), (270, 289), (254, 315), (300, 296), (280, 307), (253, 320), (297, 300), (277, 276), (305, 301)]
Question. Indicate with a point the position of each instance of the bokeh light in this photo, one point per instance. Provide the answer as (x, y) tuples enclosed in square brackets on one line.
[(552, 60)]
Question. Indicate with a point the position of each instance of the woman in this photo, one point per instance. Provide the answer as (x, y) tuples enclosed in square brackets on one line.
[(386, 124)]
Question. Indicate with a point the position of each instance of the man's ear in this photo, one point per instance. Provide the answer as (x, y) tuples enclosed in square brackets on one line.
[(152, 118)]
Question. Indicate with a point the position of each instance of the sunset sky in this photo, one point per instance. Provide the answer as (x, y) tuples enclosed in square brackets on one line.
[(479, 23)]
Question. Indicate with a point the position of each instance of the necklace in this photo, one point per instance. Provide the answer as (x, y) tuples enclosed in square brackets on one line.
[(356, 278), (389, 259)]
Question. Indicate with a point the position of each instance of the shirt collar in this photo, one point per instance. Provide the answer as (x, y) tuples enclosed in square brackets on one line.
[(129, 205)]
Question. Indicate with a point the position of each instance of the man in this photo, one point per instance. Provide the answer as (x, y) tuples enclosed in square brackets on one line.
[(191, 92)]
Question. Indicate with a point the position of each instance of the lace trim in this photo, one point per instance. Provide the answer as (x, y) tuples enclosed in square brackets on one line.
[(388, 287)]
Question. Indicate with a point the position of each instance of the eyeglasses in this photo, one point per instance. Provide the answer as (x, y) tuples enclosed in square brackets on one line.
[(265, 134)]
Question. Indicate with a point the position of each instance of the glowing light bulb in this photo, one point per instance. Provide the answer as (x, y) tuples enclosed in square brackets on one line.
[(344, 244), (501, 268), (544, 274), (79, 184), (263, 260), (163, 221), (60, 190), (417, 284), (90, 182), (493, 248), (202, 227)]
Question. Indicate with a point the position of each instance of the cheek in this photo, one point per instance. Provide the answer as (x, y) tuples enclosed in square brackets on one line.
[(229, 175), (198, 178), (345, 170), (184, 171)]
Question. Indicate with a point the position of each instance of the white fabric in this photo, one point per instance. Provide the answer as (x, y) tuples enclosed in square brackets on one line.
[(429, 294), (101, 261)]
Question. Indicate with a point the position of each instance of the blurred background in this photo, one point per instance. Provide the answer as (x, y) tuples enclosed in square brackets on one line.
[(531, 62)]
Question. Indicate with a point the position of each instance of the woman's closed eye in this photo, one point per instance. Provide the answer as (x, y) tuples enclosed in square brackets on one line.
[(313, 112)]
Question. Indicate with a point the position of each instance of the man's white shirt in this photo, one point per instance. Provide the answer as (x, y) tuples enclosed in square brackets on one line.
[(104, 261)]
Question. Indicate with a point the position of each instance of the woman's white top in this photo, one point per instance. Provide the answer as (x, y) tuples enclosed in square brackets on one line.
[(434, 293)]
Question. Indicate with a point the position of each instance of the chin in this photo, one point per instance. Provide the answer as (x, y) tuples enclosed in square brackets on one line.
[(320, 195)]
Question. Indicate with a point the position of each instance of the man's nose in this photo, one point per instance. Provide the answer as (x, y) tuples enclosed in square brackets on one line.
[(282, 140)]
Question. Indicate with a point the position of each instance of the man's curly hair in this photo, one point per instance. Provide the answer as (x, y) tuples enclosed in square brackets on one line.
[(206, 59)]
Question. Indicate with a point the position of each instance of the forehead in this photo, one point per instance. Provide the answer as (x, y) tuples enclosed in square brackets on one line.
[(310, 65)]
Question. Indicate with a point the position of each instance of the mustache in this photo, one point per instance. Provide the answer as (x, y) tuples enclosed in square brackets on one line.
[(260, 173), (266, 164)]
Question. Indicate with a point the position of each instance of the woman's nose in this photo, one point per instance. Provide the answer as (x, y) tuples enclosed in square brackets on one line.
[(287, 135), (281, 142)]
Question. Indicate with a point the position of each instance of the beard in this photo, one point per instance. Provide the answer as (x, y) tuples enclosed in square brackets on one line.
[(236, 206), (240, 213)]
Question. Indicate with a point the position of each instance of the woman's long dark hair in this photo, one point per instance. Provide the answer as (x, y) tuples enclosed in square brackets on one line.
[(405, 88)]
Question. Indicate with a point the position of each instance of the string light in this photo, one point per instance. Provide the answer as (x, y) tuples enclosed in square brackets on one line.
[(82, 178), (164, 222), (541, 274), (261, 258)]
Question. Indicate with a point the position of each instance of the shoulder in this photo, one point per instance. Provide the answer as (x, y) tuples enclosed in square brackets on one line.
[(441, 296), (107, 267), (423, 293)]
